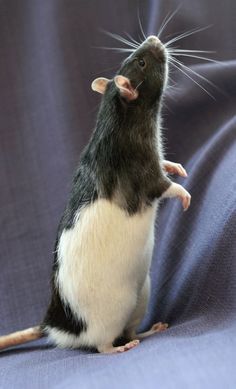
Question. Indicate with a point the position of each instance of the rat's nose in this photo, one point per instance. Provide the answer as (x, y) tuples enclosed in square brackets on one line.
[(153, 40)]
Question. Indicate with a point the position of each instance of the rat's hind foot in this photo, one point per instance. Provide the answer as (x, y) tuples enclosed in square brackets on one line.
[(158, 327), (128, 346), (110, 349)]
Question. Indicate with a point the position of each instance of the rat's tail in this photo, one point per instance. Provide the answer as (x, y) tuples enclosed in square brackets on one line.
[(20, 337)]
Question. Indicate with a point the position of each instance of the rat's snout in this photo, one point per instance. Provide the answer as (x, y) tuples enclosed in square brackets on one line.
[(153, 40), (154, 44)]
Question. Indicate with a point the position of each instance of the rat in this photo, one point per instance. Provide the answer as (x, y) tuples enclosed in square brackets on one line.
[(104, 245)]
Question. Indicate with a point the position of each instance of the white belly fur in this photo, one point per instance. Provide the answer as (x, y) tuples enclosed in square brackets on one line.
[(104, 260)]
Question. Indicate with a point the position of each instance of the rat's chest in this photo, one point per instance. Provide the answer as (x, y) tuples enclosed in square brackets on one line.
[(106, 244)]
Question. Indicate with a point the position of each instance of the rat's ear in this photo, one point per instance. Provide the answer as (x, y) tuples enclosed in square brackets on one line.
[(99, 85), (125, 88)]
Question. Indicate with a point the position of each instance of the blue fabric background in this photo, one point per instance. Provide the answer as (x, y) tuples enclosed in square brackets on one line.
[(47, 112)]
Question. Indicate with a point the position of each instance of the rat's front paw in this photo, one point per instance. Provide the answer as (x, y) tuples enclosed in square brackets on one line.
[(184, 196), (174, 168), (176, 190)]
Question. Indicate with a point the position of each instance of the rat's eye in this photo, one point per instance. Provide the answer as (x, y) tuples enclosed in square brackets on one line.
[(141, 63)]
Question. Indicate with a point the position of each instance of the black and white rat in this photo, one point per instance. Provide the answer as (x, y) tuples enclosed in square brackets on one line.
[(103, 251)]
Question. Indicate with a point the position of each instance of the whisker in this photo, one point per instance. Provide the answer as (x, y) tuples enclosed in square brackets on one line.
[(198, 57), (173, 34), (198, 75), (162, 24), (178, 37), (171, 79), (186, 34), (125, 41), (120, 39), (140, 38), (120, 49), (168, 20), (170, 110), (138, 85), (192, 79), (190, 51), (130, 37), (169, 90), (140, 25)]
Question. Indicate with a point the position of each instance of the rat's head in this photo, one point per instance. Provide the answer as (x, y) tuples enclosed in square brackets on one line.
[(142, 76)]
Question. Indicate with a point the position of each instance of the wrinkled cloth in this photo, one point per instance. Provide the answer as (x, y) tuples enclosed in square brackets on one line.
[(48, 59)]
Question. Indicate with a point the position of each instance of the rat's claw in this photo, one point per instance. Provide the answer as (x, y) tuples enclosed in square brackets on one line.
[(186, 200), (181, 170)]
